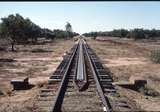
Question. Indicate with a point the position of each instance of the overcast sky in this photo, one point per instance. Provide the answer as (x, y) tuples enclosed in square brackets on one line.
[(87, 16)]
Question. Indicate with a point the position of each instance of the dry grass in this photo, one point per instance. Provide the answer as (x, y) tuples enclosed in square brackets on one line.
[(35, 61), (6, 89), (20, 101), (42, 83), (128, 58), (155, 56)]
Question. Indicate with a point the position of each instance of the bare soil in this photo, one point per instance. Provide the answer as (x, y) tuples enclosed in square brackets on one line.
[(37, 62), (128, 59)]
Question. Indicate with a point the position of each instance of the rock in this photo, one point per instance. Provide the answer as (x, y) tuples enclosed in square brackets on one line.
[(132, 79), (134, 83), (140, 83), (20, 83), (124, 84), (1, 93)]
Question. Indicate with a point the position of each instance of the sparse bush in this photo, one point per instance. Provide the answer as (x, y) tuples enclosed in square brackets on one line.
[(137, 34), (155, 56)]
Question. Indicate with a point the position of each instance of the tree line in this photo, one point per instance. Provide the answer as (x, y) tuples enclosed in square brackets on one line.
[(17, 29), (137, 33)]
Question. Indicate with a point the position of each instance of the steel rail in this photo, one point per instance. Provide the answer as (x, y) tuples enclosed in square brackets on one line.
[(104, 99), (81, 64), (61, 91), (80, 77)]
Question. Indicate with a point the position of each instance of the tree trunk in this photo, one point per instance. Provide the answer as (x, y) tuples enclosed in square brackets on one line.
[(12, 46), (32, 40), (35, 40)]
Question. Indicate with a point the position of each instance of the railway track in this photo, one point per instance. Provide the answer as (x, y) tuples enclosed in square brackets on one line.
[(81, 83)]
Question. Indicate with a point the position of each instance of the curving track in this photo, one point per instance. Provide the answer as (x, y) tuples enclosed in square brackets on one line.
[(81, 83)]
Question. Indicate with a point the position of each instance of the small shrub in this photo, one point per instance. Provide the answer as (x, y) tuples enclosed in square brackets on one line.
[(155, 56)]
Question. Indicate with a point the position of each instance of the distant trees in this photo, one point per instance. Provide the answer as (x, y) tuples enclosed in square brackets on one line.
[(12, 28), (17, 29), (48, 34), (60, 33), (114, 33), (134, 33), (94, 34), (119, 33), (68, 28), (152, 33), (63, 34)]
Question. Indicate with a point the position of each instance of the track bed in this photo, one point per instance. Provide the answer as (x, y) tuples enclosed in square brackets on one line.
[(98, 94)]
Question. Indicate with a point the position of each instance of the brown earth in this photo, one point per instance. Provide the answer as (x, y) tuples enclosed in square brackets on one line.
[(35, 61), (128, 59)]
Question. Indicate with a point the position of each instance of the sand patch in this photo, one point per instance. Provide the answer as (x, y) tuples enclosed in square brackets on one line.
[(125, 61), (15, 70), (37, 80), (34, 59)]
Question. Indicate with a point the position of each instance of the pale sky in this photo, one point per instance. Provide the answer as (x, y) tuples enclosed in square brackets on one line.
[(87, 16)]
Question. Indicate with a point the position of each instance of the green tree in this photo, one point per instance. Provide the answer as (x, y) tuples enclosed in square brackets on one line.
[(137, 34), (10, 28), (18, 30), (60, 33), (124, 32), (68, 28), (48, 34)]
